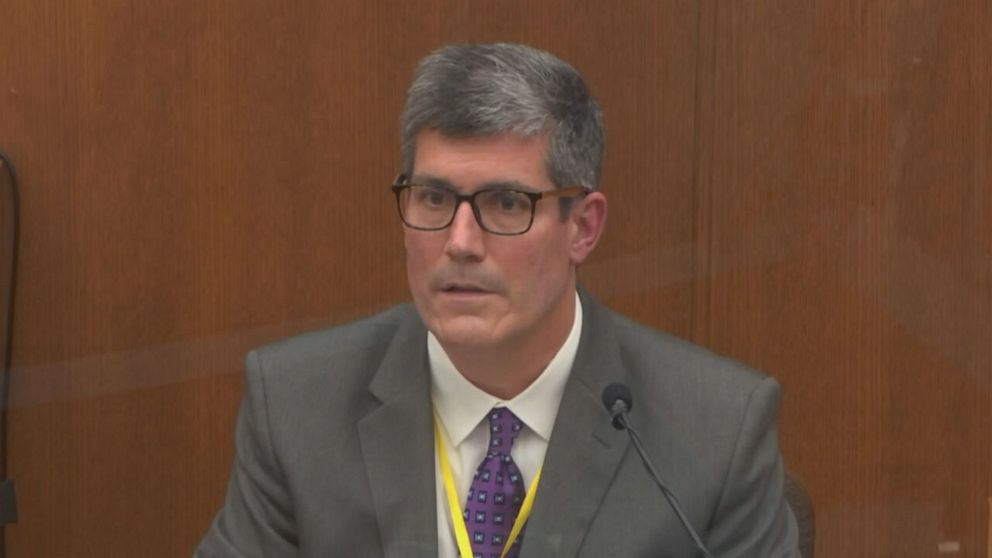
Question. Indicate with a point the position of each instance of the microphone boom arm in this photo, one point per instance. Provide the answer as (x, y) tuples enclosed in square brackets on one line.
[(618, 401), (673, 500)]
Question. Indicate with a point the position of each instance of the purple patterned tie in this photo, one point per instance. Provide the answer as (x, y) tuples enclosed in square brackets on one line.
[(497, 491)]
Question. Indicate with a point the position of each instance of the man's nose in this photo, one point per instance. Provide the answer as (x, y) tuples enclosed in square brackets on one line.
[(466, 238)]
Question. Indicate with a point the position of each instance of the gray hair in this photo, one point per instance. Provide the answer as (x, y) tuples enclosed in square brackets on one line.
[(489, 89)]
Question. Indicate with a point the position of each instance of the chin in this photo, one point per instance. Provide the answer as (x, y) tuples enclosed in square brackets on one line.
[(464, 331)]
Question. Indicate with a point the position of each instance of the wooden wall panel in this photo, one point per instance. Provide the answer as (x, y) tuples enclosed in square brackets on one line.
[(803, 186), (844, 204), (192, 187)]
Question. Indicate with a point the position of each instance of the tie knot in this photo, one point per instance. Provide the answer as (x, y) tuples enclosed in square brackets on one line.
[(504, 426)]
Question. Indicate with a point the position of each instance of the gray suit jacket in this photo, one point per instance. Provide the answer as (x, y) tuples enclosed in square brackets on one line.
[(335, 452)]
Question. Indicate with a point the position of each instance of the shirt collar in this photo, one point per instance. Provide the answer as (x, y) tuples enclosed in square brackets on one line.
[(461, 405)]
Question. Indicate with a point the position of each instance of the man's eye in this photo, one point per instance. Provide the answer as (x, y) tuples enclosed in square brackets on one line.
[(432, 198), (510, 201)]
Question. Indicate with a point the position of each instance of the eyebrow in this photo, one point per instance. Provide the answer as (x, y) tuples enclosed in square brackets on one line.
[(437, 182)]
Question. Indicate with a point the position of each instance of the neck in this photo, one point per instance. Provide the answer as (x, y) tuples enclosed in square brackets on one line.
[(507, 370), (498, 374)]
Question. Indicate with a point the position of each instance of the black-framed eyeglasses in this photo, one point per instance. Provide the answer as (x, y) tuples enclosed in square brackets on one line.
[(501, 211)]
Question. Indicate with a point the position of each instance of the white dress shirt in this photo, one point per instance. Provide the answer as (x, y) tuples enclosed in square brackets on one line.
[(463, 408)]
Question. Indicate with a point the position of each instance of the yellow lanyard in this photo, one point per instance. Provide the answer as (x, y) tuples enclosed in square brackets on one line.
[(455, 508)]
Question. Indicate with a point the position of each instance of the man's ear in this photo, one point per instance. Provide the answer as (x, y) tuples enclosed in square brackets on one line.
[(587, 219)]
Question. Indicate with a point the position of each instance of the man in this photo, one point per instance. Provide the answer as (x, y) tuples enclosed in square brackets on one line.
[(470, 424)]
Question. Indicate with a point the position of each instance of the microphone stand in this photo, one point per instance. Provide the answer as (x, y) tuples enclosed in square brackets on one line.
[(621, 418)]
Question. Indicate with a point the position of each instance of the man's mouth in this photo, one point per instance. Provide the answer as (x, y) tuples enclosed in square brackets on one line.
[(458, 284), (459, 289)]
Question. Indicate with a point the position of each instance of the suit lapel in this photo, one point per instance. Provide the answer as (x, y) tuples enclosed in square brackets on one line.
[(585, 450), (398, 447)]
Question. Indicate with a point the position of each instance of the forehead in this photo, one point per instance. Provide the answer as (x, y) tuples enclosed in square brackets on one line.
[(469, 161)]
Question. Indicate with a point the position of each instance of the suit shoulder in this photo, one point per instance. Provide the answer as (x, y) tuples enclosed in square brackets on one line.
[(699, 398), (645, 348), (354, 342)]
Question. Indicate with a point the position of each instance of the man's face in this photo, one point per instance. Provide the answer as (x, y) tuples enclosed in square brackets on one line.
[(474, 289)]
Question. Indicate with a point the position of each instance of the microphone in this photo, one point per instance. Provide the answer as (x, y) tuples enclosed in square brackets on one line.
[(618, 401)]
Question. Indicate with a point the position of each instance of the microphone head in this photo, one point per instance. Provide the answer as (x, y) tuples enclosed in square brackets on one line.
[(618, 400), (617, 392)]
